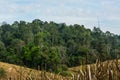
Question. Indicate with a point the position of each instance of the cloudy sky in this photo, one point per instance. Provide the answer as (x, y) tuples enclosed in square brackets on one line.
[(83, 12)]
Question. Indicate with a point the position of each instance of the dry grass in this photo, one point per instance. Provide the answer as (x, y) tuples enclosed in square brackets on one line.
[(108, 70), (22, 73)]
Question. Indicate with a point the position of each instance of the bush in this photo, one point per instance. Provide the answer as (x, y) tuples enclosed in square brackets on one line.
[(66, 73), (3, 73)]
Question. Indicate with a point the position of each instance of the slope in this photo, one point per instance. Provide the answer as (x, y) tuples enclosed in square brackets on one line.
[(14, 72), (108, 70)]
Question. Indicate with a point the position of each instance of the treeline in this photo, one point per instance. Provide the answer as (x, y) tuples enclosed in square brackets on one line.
[(54, 47)]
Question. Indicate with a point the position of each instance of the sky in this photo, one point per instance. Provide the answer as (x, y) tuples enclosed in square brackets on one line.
[(82, 12)]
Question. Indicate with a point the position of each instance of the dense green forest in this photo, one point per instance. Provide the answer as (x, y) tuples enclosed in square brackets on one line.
[(54, 47)]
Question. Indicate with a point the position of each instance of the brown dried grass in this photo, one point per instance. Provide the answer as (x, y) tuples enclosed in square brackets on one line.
[(108, 70)]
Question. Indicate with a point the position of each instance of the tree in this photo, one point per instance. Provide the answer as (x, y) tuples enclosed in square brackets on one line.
[(17, 45), (2, 51), (53, 46), (25, 32)]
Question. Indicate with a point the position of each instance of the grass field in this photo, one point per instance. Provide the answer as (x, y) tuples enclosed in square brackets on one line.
[(14, 72), (108, 70)]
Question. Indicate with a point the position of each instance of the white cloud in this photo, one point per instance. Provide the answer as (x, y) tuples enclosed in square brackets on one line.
[(69, 11)]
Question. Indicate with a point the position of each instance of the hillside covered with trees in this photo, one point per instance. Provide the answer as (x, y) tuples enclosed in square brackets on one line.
[(54, 47)]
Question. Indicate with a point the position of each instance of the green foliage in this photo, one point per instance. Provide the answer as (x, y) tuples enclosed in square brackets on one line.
[(3, 73), (66, 73), (54, 47)]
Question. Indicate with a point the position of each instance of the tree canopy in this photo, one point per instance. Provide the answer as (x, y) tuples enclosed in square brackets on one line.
[(52, 46)]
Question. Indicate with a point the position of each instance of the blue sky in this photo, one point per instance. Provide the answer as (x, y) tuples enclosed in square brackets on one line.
[(83, 12)]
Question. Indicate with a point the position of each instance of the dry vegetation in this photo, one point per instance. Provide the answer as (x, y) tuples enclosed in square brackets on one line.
[(22, 73), (108, 70)]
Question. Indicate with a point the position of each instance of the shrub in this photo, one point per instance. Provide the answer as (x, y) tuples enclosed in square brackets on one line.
[(3, 73), (66, 73)]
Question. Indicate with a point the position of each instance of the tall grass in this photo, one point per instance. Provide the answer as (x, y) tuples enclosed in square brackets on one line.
[(108, 70)]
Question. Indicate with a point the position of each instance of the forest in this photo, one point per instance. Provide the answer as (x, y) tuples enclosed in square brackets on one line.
[(54, 46)]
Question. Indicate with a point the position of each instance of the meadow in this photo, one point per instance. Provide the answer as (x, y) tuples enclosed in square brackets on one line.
[(108, 70)]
